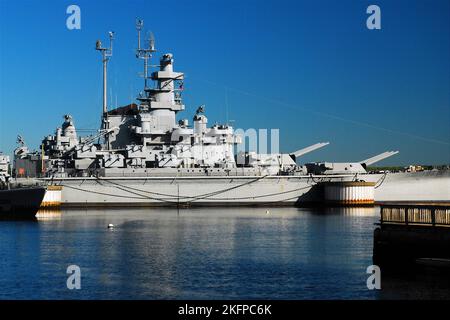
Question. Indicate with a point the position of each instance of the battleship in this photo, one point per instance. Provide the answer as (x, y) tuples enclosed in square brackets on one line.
[(146, 154)]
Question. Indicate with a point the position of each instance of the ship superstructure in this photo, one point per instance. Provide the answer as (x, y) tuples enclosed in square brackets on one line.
[(147, 135)]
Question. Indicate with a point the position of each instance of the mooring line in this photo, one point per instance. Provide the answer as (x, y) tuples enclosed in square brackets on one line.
[(175, 197)]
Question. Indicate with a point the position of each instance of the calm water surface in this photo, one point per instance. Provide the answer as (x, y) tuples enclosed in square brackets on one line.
[(285, 253)]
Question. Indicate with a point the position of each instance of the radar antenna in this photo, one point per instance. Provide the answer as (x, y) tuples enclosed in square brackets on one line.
[(20, 140), (200, 109)]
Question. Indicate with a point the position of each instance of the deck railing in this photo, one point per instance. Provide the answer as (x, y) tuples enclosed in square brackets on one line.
[(428, 215)]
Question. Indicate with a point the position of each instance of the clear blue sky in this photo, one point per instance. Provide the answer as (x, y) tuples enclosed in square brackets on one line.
[(310, 68)]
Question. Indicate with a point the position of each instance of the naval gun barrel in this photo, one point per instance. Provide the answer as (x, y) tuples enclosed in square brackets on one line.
[(306, 150), (378, 158)]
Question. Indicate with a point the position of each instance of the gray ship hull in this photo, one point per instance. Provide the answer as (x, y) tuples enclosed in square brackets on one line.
[(430, 186), (425, 186), (186, 191)]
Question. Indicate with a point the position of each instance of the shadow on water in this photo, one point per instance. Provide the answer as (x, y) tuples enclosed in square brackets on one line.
[(418, 283)]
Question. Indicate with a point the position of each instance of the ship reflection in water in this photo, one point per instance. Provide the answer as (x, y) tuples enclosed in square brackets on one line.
[(49, 214), (208, 253)]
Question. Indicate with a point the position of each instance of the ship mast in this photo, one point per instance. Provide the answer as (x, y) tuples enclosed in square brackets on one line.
[(106, 54), (142, 53)]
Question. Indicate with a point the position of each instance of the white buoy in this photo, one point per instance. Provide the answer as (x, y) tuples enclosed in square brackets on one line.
[(110, 226), (267, 211)]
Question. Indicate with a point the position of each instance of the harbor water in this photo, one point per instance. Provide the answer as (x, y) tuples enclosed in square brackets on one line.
[(204, 253)]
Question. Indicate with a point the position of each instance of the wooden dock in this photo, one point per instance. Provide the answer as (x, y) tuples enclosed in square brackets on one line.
[(409, 234), (425, 214)]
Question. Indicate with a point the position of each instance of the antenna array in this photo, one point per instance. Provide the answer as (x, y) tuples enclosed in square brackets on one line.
[(145, 53)]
